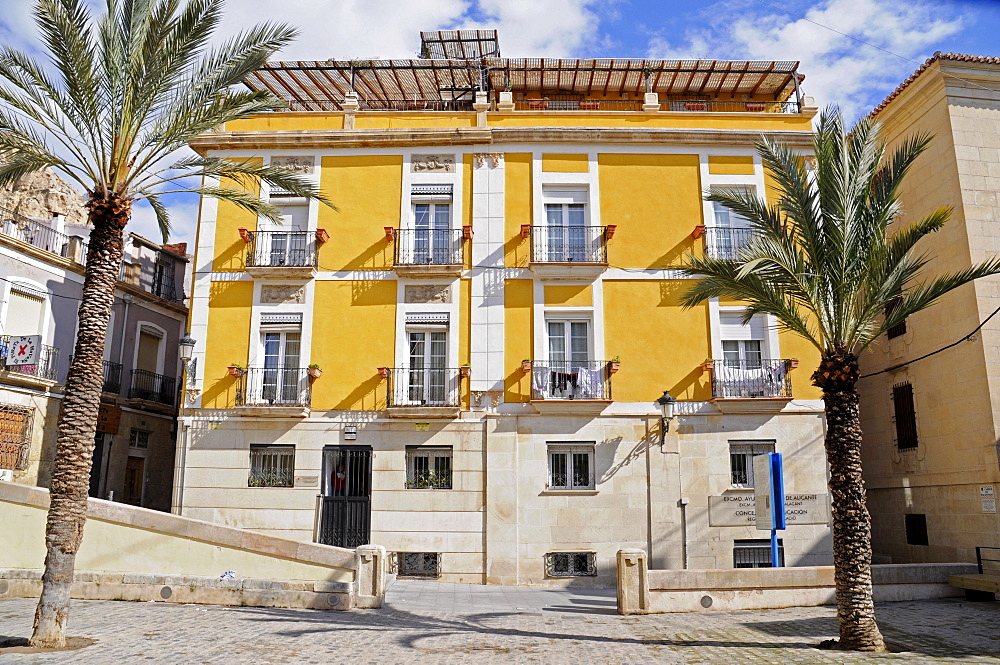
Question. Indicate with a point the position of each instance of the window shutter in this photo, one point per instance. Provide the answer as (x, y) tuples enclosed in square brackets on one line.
[(730, 326), (906, 416), (24, 313)]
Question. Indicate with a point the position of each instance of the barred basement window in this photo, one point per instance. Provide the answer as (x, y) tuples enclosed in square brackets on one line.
[(905, 416), (15, 436), (571, 564), (916, 529), (756, 553), (271, 466), (138, 438), (428, 468), (741, 454), (418, 564), (571, 467)]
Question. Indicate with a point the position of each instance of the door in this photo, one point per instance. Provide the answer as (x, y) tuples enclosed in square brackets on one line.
[(345, 517), (427, 376), (431, 223), (732, 232), (285, 244), (569, 352), (281, 376), (567, 241), (134, 468)]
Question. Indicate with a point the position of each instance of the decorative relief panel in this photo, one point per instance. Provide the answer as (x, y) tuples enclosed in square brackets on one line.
[(432, 164), (431, 293), (280, 294), (494, 157), (299, 165)]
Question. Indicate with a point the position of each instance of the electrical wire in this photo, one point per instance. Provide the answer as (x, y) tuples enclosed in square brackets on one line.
[(59, 295)]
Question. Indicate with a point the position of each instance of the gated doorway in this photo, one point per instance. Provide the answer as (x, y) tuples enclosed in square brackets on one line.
[(345, 509)]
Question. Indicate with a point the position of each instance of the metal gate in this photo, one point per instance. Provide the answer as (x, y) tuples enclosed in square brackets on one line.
[(345, 512)]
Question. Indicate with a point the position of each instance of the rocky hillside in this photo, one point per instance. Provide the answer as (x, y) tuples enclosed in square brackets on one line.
[(39, 194)]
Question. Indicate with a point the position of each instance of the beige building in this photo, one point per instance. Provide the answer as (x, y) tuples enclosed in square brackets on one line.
[(932, 425)]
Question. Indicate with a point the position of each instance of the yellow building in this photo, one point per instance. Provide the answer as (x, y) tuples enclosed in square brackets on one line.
[(494, 310), (931, 424)]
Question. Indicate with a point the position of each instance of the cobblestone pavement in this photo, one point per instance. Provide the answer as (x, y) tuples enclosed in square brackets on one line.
[(426, 622)]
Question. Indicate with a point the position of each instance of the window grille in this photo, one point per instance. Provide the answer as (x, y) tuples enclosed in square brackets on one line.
[(899, 329), (905, 416), (138, 438), (418, 564), (571, 467), (271, 466), (428, 468), (571, 564), (741, 454), (916, 529), (15, 436), (756, 553)]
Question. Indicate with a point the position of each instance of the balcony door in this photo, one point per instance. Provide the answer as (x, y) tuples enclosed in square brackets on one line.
[(746, 353), (280, 377), (570, 364), (431, 237), (566, 226), (731, 232), (285, 244), (427, 376)]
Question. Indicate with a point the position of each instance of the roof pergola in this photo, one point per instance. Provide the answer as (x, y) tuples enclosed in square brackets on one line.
[(460, 44)]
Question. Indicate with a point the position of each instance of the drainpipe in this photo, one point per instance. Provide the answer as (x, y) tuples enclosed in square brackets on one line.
[(684, 531), (180, 460)]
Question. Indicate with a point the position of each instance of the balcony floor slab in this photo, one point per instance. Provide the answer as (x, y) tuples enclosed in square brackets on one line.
[(750, 404), (570, 406), (424, 411)]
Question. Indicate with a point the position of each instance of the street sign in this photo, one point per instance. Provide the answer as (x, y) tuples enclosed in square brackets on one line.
[(24, 350), (769, 498)]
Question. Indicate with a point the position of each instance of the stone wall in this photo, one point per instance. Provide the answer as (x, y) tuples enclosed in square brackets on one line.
[(40, 194)]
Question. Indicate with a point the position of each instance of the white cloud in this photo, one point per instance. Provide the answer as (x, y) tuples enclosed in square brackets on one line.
[(838, 68)]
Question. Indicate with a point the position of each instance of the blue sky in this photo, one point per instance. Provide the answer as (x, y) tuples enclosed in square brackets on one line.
[(825, 35)]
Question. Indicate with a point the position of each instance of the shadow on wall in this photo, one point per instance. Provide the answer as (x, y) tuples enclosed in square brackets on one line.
[(231, 258), (223, 391), (363, 292), (695, 385), (609, 447), (519, 251), (517, 386), (673, 256), (370, 395), (377, 255)]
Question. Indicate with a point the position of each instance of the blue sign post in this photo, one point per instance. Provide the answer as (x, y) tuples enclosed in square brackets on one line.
[(769, 498)]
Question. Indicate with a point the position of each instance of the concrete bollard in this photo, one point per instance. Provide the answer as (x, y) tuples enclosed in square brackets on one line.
[(633, 582), (369, 583)]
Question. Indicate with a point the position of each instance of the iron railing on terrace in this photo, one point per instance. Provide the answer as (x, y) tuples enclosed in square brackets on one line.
[(714, 106), (160, 283), (46, 368), (112, 381), (435, 247), (273, 386), (725, 243), (551, 104), (739, 379), (423, 386), (153, 387), (557, 104), (569, 244), (281, 249), (571, 379), (41, 236), (415, 104)]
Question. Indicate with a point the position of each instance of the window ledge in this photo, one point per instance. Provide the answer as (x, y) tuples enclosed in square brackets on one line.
[(569, 492)]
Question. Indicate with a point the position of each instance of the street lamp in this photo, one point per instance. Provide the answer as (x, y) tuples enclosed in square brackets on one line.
[(187, 348), (186, 344), (666, 402)]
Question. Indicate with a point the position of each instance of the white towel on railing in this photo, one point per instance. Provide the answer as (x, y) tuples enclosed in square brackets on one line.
[(540, 380), (589, 382)]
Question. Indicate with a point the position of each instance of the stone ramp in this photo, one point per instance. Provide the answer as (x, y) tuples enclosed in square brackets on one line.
[(428, 597)]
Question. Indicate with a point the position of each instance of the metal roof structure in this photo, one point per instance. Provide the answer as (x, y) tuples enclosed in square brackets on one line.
[(459, 44)]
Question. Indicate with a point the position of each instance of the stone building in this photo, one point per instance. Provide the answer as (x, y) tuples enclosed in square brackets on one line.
[(462, 362), (932, 425), (41, 268)]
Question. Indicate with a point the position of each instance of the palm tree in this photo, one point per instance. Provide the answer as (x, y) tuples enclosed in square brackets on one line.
[(121, 94), (823, 262)]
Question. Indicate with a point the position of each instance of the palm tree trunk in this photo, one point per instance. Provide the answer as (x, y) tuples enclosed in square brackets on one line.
[(837, 376), (78, 420)]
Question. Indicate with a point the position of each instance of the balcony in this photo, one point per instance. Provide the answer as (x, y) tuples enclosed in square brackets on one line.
[(157, 281), (751, 385), (557, 103), (46, 369), (724, 243), (152, 387), (570, 386), (424, 392), (569, 252), (274, 391), (428, 252), (44, 238), (112, 381), (290, 254)]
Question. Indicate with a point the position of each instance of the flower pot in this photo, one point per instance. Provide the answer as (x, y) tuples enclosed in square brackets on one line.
[(695, 106), (465, 371), (708, 365), (383, 372), (590, 106), (314, 372), (792, 363), (538, 104), (525, 365), (236, 371), (614, 366), (755, 107)]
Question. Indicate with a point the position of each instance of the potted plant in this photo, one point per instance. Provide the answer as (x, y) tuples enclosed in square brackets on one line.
[(236, 369), (465, 371), (708, 365), (615, 364), (430, 480), (695, 106), (542, 103), (314, 371), (526, 365), (792, 363), (383, 372), (589, 105), (755, 107)]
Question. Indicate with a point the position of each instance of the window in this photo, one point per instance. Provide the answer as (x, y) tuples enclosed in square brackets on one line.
[(25, 311), (905, 416), (271, 466), (427, 378), (566, 237), (280, 380), (571, 467), (916, 529), (432, 242), (571, 564), (899, 329), (741, 456), (163, 279), (756, 553), (15, 436), (428, 468), (730, 233), (138, 438), (419, 564)]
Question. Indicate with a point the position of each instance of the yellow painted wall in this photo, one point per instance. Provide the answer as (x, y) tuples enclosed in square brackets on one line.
[(575, 295), (517, 208), (793, 346), (465, 334), (769, 121), (669, 355), (228, 340), (384, 120), (518, 336), (367, 191), (656, 202), (285, 121), (735, 165), (563, 163), (354, 332), (230, 249)]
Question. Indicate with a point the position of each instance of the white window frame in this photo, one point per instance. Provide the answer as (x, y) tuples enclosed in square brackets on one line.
[(33, 289), (160, 349), (432, 455), (570, 449), (285, 450)]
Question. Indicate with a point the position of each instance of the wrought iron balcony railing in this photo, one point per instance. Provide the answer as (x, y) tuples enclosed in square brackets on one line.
[(153, 387), (423, 386), (281, 249), (112, 382), (569, 244), (47, 366), (556, 104), (740, 379), (428, 247), (576, 379), (38, 235), (728, 106), (725, 243), (402, 104), (274, 386)]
